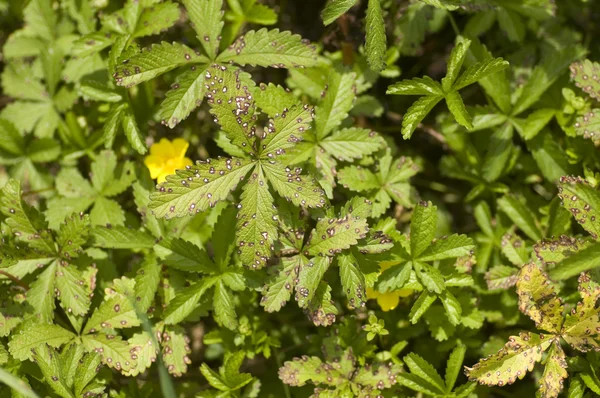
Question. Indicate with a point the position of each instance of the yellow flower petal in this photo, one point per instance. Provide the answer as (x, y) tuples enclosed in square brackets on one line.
[(166, 157), (388, 301)]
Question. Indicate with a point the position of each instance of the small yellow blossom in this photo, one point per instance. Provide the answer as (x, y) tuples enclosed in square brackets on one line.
[(388, 301), (166, 157)]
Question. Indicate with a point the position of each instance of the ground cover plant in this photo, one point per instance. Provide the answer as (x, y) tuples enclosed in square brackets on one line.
[(265, 198)]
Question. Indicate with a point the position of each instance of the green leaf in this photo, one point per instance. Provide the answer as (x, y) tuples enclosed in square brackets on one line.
[(416, 113), (454, 366), (353, 280), (421, 306), (452, 246), (552, 160), (11, 140), (543, 76), (588, 125), (273, 99), (71, 289), (184, 256), (421, 368), (133, 132), (185, 95), (458, 109), (394, 278), (423, 225), (352, 143), (213, 378), (146, 283), (19, 386), (116, 312), (41, 294), (416, 86), (520, 215), (154, 61), (514, 249), (510, 22), (278, 291), (336, 103), (199, 187), (538, 300), (121, 238), (224, 306), (186, 301), (156, 19), (73, 234), (301, 190), (40, 18), (176, 350), (513, 361), (321, 309), (270, 48), (583, 201), (430, 277), (375, 46), (586, 74), (480, 71), (48, 362), (457, 57), (256, 231), (286, 129), (309, 277), (334, 9), (233, 86), (206, 18), (449, 5), (576, 263), (536, 121), (115, 352), (22, 344), (332, 235)]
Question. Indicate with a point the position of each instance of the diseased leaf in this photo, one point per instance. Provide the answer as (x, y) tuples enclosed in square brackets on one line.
[(270, 48), (22, 344), (206, 18), (337, 101), (332, 235), (583, 201)]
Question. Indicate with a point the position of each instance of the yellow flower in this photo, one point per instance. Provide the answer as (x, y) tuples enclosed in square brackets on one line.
[(166, 157), (388, 301)]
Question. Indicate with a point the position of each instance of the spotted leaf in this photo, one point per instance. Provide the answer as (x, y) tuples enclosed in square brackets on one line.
[(229, 94), (185, 95), (551, 252), (583, 201), (22, 345), (175, 350), (555, 372), (588, 125), (285, 130), (115, 352), (332, 235), (538, 300), (206, 18), (301, 190), (310, 275), (514, 249), (581, 328), (586, 75), (511, 362), (278, 290), (321, 310), (256, 222), (198, 187), (145, 351), (154, 61), (352, 279), (270, 48), (116, 312), (71, 289)]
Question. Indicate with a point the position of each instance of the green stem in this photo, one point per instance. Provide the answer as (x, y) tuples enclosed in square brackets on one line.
[(453, 23)]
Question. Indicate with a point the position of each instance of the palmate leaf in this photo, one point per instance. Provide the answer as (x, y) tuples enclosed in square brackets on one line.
[(416, 86), (416, 113), (73, 234), (551, 252), (512, 362), (272, 99), (290, 184), (514, 249), (479, 71), (583, 260), (336, 103), (375, 46), (588, 125), (154, 61), (70, 287), (453, 246), (270, 48), (421, 368), (49, 363), (538, 300), (22, 344), (309, 277), (156, 19), (117, 312), (206, 18), (198, 187), (520, 215), (145, 350), (322, 310), (423, 225), (187, 300), (121, 238), (224, 306), (256, 228)]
